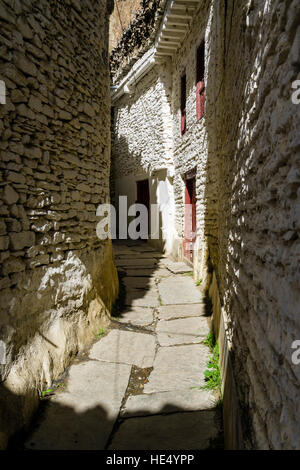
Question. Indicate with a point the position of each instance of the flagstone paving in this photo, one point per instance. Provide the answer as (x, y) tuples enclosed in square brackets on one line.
[(140, 385)]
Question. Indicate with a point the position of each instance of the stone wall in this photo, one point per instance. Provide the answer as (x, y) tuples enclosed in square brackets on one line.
[(246, 153), (191, 148), (142, 146), (142, 129), (58, 280), (257, 264)]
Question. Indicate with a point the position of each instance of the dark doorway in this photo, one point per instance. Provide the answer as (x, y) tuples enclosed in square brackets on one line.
[(189, 218), (143, 196)]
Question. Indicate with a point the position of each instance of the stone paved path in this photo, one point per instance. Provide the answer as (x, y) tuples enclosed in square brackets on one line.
[(139, 387)]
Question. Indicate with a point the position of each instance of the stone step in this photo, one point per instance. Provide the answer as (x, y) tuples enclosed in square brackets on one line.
[(177, 368), (179, 290)]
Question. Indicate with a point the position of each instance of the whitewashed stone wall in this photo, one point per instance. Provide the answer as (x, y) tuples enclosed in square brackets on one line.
[(258, 259), (247, 155), (58, 281), (142, 133), (142, 145), (191, 148)]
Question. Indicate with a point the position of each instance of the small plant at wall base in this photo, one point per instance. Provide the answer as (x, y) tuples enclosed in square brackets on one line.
[(210, 340), (46, 393), (212, 374), (100, 333)]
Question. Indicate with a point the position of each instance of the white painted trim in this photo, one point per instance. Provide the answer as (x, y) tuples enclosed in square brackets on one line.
[(139, 69), (175, 14)]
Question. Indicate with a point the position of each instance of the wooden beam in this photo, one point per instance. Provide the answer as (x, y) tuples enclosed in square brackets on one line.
[(159, 53), (167, 46), (163, 40), (165, 51), (175, 28), (178, 21), (172, 34), (186, 4), (176, 38), (179, 14)]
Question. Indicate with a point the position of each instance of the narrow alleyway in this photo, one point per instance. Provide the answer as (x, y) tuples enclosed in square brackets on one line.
[(139, 386)]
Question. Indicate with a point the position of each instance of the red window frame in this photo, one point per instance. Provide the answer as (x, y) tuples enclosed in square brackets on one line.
[(183, 104), (200, 84)]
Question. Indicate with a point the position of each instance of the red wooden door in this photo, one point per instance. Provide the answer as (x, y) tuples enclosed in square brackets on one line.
[(190, 218)]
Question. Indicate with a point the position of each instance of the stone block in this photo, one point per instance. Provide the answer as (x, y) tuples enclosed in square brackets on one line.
[(10, 196), (21, 240), (24, 64), (12, 266), (4, 242)]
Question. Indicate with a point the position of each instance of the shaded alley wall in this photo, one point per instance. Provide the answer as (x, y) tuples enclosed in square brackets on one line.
[(58, 280), (246, 151), (255, 142), (246, 154)]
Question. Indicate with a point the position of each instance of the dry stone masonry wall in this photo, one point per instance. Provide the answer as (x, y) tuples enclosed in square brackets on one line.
[(191, 148), (246, 153), (258, 258), (142, 140), (58, 280)]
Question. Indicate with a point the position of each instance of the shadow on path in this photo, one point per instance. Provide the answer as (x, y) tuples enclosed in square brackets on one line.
[(58, 427), (70, 420)]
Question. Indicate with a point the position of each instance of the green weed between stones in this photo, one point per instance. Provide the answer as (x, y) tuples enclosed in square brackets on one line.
[(45, 393), (100, 333), (212, 374)]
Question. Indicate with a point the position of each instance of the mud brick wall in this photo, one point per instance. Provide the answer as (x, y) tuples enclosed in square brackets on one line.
[(58, 280)]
